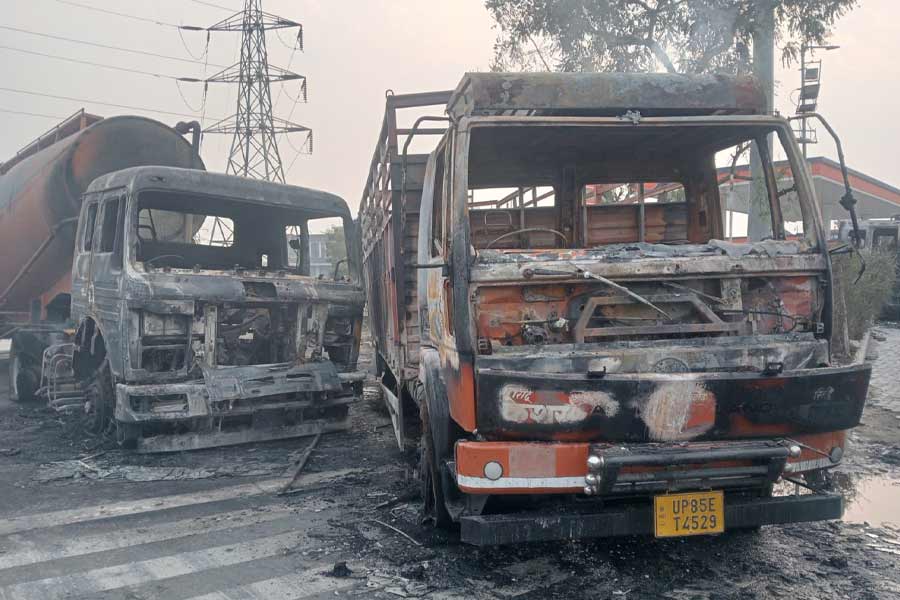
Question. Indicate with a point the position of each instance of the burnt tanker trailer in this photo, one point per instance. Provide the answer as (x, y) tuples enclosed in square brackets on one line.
[(40, 198)]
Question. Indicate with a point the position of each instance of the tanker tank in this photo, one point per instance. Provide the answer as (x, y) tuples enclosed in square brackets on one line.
[(40, 197)]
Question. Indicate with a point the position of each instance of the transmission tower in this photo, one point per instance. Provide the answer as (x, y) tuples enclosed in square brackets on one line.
[(254, 147)]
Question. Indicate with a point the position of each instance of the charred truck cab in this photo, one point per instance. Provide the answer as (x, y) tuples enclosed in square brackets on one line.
[(586, 314), (198, 323)]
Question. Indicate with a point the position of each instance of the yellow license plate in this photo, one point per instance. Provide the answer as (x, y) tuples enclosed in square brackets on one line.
[(697, 513)]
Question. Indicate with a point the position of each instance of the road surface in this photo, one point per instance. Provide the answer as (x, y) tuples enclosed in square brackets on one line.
[(78, 524)]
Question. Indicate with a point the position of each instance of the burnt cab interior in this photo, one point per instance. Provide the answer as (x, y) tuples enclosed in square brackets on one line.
[(220, 234), (533, 188)]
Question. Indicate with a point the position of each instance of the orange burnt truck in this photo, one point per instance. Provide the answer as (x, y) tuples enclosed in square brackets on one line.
[(596, 333)]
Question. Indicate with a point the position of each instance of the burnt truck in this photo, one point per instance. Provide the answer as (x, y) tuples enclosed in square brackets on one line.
[(556, 301), (189, 318)]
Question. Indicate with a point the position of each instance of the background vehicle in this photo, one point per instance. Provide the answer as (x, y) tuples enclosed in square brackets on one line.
[(188, 317), (40, 198), (551, 288)]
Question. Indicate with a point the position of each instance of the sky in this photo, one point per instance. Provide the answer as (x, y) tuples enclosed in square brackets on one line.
[(354, 51)]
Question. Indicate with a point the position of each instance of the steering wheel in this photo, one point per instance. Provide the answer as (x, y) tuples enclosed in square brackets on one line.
[(528, 230), (161, 256)]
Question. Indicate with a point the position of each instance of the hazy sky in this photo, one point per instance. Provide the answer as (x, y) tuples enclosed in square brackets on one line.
[(355, 50)]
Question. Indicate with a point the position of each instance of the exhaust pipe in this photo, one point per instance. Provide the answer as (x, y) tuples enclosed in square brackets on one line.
[(182, 127)]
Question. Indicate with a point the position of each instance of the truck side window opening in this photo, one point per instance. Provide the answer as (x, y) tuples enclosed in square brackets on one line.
[(298, 248), (89, 224), (110, 225), (746, 207), (437, 214), (669, 185), (317, 248)]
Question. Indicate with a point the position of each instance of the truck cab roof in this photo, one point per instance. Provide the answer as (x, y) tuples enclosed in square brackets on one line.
[(242, 189), (605, 94)]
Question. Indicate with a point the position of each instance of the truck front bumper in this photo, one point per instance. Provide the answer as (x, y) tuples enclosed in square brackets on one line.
[(235, 405), (740, 513), (509, 467)]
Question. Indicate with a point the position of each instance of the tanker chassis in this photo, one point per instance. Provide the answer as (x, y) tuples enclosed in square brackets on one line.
[(561, 299)]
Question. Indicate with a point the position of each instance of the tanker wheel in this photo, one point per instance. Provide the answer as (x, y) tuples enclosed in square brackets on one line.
[(100, 400), (23, 382)]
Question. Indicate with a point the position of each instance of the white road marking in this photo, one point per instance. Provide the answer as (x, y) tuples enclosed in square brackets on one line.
[(102, 579), (20, 551), (287, 587), (93, 513)]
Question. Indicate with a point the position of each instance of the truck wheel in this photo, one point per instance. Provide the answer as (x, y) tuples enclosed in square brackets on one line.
[(100, 400), (434, 500), (22, 381), (127, 435)]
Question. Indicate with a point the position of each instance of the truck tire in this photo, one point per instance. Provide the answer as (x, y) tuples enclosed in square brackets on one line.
[(128, 434), (23, 381), (100, 400), (434, 500)]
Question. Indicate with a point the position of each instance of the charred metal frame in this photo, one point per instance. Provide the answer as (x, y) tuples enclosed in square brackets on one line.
[(713, 323), (465, 376), (313, 390)]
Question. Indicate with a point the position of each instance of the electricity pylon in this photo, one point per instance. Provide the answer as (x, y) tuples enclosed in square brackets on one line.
[(254, 147)]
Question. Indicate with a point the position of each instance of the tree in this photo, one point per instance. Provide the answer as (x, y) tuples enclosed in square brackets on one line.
[(679, 36), (335, 245)]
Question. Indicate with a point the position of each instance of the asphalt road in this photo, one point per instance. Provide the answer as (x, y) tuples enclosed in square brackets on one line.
[(77, 524)]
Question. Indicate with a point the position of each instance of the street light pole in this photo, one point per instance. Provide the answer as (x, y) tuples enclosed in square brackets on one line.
[(802, 86), (804, 130)]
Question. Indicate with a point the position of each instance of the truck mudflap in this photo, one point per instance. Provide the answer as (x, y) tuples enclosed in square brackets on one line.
[(236, 405), (573, 522)]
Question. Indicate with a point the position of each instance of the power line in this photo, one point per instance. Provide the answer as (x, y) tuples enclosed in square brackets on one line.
[(101, 65), (127, 16), (98, 102), (30, 114), (220, 7), (118, 14), (205, 53), (106, 46)]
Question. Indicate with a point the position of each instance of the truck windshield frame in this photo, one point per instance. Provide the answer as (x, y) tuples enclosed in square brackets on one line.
[(545, 208), (227, 233)]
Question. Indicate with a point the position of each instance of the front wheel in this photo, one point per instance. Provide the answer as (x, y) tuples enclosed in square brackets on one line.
[(100, 400), (434, 508), (23, 381)]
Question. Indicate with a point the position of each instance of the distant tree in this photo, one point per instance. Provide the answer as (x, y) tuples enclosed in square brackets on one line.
[(679, 36)]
